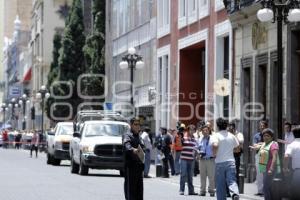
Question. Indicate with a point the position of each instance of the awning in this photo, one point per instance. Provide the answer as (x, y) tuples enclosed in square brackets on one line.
[(27, 76)]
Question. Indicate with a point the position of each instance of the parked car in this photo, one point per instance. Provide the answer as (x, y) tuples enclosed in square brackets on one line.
[(58, 143), (26, 140), (98, 145)]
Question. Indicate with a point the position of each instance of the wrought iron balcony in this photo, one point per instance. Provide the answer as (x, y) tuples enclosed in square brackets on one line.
[(236, 5)]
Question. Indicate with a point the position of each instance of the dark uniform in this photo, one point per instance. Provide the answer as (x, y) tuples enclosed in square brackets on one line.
[(133, 169), (168, 158)]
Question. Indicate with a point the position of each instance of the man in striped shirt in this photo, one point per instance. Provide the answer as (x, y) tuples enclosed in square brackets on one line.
[(189, 147)]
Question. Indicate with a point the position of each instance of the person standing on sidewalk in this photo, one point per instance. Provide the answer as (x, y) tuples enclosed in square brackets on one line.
[(292, 155), (288, 135), (148, 148), (167, 156), (189, 148), (133, 169), (5, 138), (257, 142), (224, 144), (239, 150), (207, 162), (34, 144), (177, 147), (268, 161)]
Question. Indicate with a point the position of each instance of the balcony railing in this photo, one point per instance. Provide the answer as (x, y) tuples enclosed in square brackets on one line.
[(236, 5)]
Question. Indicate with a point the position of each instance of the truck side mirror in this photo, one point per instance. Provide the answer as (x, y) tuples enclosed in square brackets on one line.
[(76, 134), (50, 133)]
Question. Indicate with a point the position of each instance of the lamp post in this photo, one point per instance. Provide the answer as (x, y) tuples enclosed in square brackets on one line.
[(13, 105), (23, 101), (4, 109), (42, 94), (131, 61), (280, 11)]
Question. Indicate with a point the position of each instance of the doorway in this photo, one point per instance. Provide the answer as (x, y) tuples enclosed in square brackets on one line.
[(192, 84)]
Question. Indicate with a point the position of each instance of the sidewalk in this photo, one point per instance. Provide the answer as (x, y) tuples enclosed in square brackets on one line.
[(249, 188)]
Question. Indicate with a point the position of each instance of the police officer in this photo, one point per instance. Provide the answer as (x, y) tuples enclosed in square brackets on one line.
[(132, 147), (166, 150)]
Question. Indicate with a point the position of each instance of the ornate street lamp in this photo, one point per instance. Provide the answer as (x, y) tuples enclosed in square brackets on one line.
[(131, 61), (280, 11), (42, 94), (4, 109), (13, 105), (23, 101)]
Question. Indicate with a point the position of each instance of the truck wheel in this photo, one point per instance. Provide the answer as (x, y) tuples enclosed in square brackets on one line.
[(74, 167), (56, 162), (83, 169), (49, 159)]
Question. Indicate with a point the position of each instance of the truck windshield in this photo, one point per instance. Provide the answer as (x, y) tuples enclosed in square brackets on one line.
[(105, 130), (66, 129)]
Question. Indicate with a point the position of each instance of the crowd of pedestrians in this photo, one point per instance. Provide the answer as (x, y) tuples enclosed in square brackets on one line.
[(184, 150), (188, 150)]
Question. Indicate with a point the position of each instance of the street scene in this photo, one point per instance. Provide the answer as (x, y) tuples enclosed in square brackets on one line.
[(36, 180), (150, 99)]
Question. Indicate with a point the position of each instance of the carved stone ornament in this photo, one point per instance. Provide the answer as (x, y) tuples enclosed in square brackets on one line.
[(259, 34)]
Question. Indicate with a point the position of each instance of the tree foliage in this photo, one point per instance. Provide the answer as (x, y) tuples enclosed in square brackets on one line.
[(53, 74), (94, 51), (70, 62)]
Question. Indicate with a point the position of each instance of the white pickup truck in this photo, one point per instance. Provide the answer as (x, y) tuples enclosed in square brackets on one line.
[(58, 143), (98, 145)]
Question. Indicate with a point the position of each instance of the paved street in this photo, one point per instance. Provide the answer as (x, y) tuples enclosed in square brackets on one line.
[(25, 178)]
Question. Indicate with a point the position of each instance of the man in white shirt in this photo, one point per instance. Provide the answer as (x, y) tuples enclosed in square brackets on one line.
[(292, 153), (224, 144), (288, 135), (148, 147)]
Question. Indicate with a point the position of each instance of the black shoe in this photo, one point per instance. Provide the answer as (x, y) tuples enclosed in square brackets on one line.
[(147, 176), (193, 193), (259, 194), (202, 194), (212, 194), (235, 197)]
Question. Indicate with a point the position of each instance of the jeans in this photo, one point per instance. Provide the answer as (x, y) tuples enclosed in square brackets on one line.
[(186, 174), (147, 162), (177, 162), (225, 174)]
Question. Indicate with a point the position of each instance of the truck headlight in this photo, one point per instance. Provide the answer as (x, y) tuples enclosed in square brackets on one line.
[(87, 149)]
